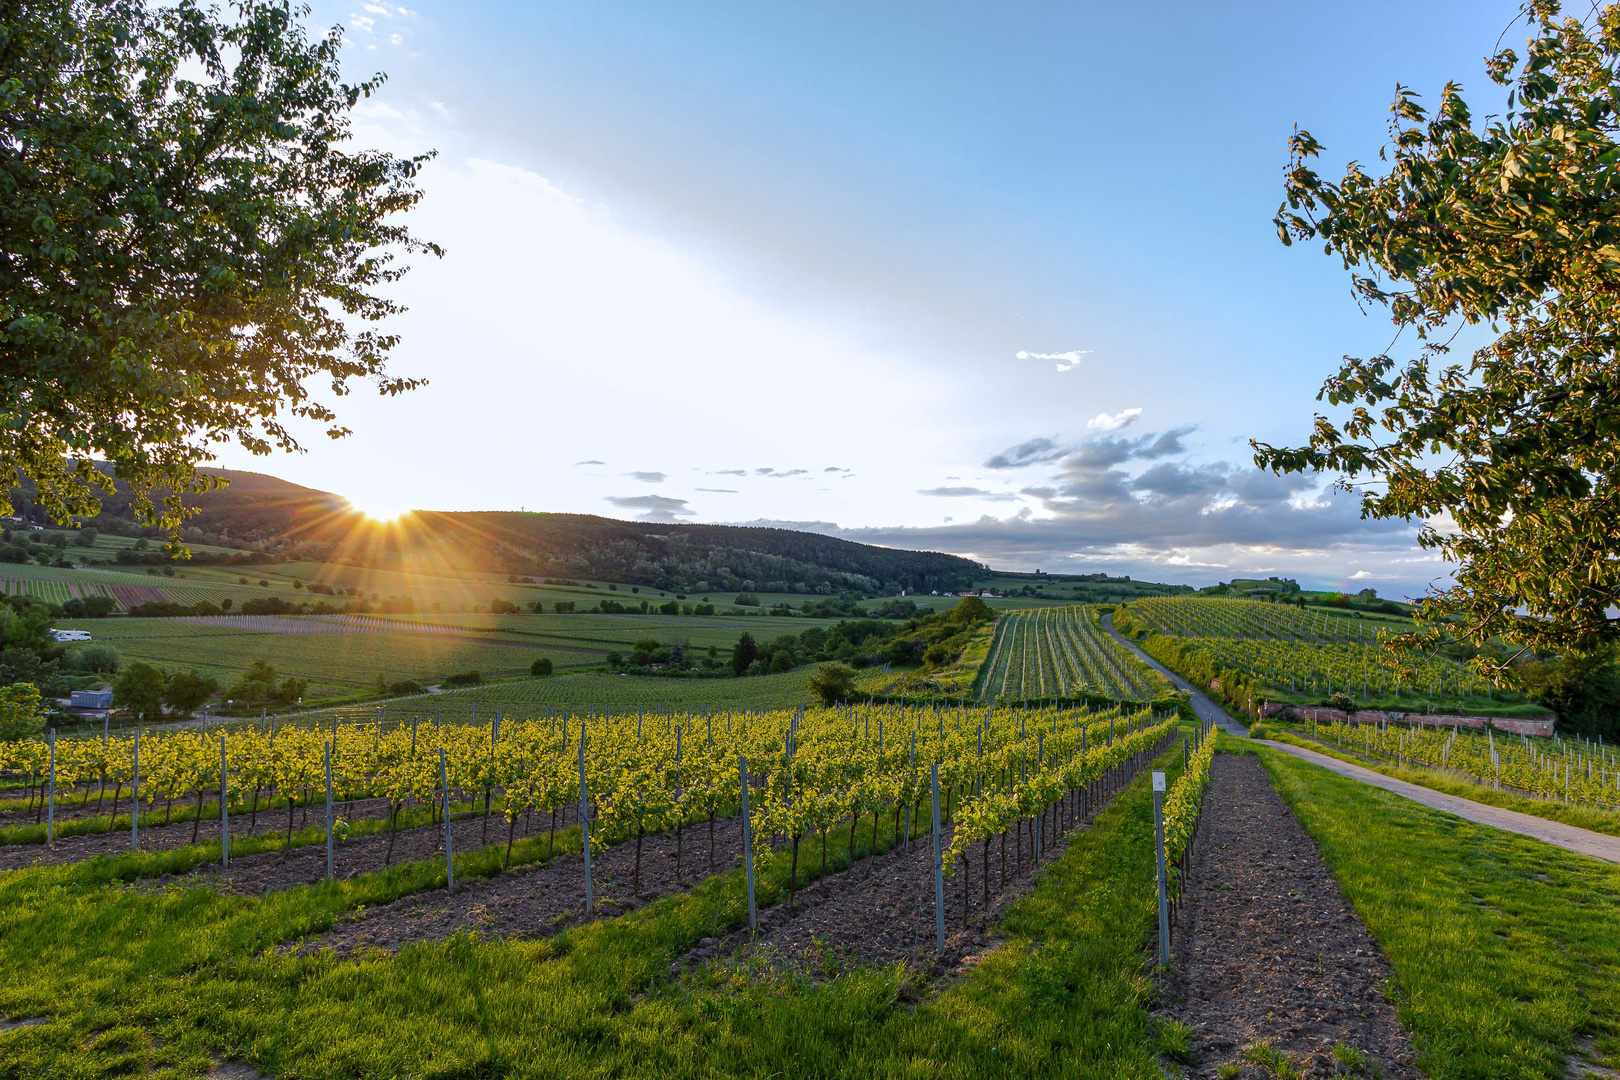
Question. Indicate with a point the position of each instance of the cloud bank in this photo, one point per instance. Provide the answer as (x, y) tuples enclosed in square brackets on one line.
[(653, 507)]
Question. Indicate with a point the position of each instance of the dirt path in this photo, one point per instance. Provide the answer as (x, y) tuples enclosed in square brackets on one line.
[(1266, 948), (540, 900), (1569, 837)]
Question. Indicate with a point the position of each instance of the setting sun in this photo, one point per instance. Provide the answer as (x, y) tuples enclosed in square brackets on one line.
[(379, 512)]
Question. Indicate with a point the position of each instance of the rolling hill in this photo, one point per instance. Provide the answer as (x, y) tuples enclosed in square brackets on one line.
[(262, 513)]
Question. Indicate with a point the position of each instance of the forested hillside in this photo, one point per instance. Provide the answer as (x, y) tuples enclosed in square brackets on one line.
[(263, 513)]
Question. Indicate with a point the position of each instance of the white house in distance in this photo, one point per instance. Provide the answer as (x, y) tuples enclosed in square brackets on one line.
[(70, 635)]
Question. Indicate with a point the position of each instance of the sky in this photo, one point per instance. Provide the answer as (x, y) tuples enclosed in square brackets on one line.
[(993, 279)]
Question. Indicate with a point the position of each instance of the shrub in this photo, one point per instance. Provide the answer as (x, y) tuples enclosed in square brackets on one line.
[(562, 607), (669, 608), (833, 683), (462, 678), (89, 607), (541, 668), (746, 599), (21, 715), (503, 607), (405, 686), (95, 659)]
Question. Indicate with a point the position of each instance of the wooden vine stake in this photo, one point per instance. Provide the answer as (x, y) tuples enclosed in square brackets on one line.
[(449, 858), (327, 761), (1164, 895), (50, 809), (135, 797), (939, 872), (585, 822), (224, 809), (748, 844)]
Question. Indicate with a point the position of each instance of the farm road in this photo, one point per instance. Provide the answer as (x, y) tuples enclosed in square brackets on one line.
[(1570, 838), (1207, 710)]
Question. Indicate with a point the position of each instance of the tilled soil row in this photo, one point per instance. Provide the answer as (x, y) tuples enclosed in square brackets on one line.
[(1266, 947), (541, 900), (156, 836), (882, 909), (68, 808)]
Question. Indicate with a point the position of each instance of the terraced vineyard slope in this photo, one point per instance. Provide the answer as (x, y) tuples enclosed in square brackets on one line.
[(1061, 652)]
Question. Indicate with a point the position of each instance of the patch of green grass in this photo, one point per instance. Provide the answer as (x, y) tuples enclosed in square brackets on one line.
[(1453, 783), (1274, 1061), (1065, 996), (1504, 949)]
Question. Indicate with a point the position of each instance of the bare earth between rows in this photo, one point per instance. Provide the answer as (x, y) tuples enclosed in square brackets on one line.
[(1266, 947)]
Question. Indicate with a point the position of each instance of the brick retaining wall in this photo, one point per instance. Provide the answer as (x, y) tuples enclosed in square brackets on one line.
[(1539, 728)]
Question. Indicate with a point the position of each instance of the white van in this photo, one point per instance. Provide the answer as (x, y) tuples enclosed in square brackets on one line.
[(71, 635)]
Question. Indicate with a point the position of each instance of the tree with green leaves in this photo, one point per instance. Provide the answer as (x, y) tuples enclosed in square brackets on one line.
[(22, 713), (188, 241), (140, 688), (743, 654), (1505, 228), (189, 691), (833, 683)]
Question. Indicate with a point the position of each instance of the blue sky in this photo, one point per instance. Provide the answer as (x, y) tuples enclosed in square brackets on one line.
[(744, 262)]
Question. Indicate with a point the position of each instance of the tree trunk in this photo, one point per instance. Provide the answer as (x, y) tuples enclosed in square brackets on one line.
[(871, 862), (196, 820), (963, 860), (635, 882), (511, 832), (793, 873), (117, 791), (986, 874), (711, 840), (393, 822), (551, 840), (287, 847)]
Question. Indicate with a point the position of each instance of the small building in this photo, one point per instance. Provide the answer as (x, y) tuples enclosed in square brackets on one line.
[(90, 699), (70, 635)]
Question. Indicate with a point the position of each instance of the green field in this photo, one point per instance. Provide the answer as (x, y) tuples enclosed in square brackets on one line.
[(423, 648), (583, 692)]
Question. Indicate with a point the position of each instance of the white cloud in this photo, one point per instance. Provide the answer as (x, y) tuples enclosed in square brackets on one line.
[(647, 477), (377, 9), (1122, 419), (1066, 360), (361, 22)]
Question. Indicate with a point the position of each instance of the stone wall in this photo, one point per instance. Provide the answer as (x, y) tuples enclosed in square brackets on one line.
[(1538, 728)]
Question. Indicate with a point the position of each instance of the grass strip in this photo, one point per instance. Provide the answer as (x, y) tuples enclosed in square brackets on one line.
[(1455, 783), (1504, 948), (1065, 996)]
